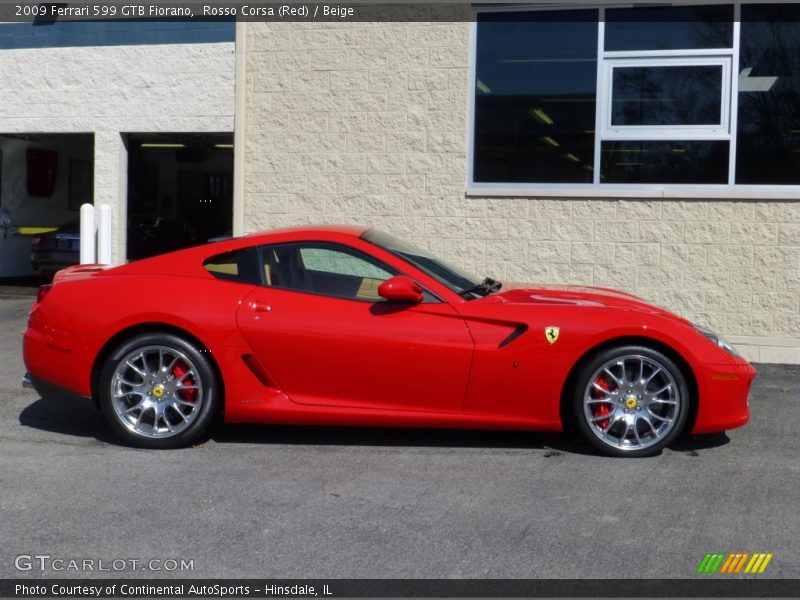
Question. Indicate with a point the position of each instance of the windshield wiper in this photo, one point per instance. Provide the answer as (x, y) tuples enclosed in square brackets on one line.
[(488, 285)]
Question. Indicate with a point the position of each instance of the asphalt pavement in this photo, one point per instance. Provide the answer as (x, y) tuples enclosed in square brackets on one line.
[(295, 502)]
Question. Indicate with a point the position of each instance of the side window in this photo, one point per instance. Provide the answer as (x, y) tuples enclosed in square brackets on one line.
[(241, 266), (325, 269), (332, 261)]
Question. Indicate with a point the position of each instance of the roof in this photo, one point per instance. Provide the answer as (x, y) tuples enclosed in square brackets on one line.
[(354, 230)]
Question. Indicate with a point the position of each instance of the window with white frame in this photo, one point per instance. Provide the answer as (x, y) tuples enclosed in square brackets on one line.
[(685, 98), (593, 97)]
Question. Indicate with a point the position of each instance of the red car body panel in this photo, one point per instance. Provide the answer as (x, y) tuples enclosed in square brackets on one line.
[(296, 357), (342, 361)]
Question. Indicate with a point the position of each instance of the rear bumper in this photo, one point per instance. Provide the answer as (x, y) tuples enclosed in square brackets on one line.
[(65, 257), (723, 391), (58, 356), (51, 391)]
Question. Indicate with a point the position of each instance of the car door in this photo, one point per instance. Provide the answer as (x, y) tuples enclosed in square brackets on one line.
[(325, 337)]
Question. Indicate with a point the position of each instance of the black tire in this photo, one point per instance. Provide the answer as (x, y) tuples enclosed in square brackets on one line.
[(621, 395), (186, 415)]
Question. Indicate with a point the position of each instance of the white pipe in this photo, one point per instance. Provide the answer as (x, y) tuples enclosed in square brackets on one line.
[(240, 85), (104, 235), (87, 234)]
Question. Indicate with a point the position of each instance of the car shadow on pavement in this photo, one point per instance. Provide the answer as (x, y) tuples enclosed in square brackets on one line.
[(693, 443), (550, 443), (65, 417), (390, 436), (80, 419)]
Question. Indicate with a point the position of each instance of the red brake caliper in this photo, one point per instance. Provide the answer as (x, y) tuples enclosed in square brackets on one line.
[(601, 409), (178, 372)]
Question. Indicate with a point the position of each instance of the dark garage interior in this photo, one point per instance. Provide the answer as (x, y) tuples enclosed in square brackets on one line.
[(180, 190)]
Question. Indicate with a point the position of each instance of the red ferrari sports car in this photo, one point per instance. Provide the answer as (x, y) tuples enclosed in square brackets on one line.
[(351, 326)]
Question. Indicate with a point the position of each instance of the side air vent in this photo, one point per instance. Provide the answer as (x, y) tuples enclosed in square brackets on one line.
[(256, 368), (513, 335)]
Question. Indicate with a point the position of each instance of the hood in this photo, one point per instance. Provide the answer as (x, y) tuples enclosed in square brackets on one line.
[(575, 295)]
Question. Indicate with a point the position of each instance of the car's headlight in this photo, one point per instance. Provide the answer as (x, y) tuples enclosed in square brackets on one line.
[(717, 339)]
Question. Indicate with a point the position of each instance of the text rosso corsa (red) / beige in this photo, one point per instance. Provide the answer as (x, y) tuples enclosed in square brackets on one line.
[(282, 11)]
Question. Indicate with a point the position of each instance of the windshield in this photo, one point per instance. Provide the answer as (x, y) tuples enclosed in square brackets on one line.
[(448, 275)]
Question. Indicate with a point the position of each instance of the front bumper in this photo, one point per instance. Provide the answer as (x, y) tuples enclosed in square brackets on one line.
[(723, 391)]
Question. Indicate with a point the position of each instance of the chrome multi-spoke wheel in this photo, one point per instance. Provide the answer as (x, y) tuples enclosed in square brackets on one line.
[(158, 391), (633, 401)]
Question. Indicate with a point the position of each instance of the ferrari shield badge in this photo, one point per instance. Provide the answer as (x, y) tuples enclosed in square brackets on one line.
[(551, 333)]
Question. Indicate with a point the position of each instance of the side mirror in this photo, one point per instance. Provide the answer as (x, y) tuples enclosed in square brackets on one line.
[(400, 289)]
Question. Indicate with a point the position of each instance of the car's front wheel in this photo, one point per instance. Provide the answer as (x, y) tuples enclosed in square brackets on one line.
[(158, 391), (630, 401)]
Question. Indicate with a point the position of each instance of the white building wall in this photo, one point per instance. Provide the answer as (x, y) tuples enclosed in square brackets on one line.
[(111, 90), (367, 123)]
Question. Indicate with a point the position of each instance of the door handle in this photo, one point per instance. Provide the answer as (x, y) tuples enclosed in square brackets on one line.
[(260, 306)]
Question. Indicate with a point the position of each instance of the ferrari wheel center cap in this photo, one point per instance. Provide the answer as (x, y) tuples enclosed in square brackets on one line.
[(158, 391), (631, 402)]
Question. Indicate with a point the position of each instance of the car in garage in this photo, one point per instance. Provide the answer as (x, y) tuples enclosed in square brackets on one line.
[(56, 250), (336, 325)]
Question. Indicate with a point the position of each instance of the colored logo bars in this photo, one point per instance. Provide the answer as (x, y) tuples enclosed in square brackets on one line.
[(734, 562)]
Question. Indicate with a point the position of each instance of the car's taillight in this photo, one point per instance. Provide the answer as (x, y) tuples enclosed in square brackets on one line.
[(37, 242), (43, 291)]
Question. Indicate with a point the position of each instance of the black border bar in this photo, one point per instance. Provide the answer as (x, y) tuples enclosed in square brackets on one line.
[(699, 587), (359, 11)]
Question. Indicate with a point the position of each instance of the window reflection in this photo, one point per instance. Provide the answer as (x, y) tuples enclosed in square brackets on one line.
[(664, 162), (768, 137), (535, 89), (536, 92), (685, 95), (669, 28)]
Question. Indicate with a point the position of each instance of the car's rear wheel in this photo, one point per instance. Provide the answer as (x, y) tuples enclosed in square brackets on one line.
[(630, 401), (159, 391)]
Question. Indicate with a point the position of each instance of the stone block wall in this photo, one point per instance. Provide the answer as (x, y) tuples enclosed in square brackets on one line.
[(367, 123)]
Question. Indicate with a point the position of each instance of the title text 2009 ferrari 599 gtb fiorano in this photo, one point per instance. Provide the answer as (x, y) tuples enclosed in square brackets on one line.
[(347, 326)]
